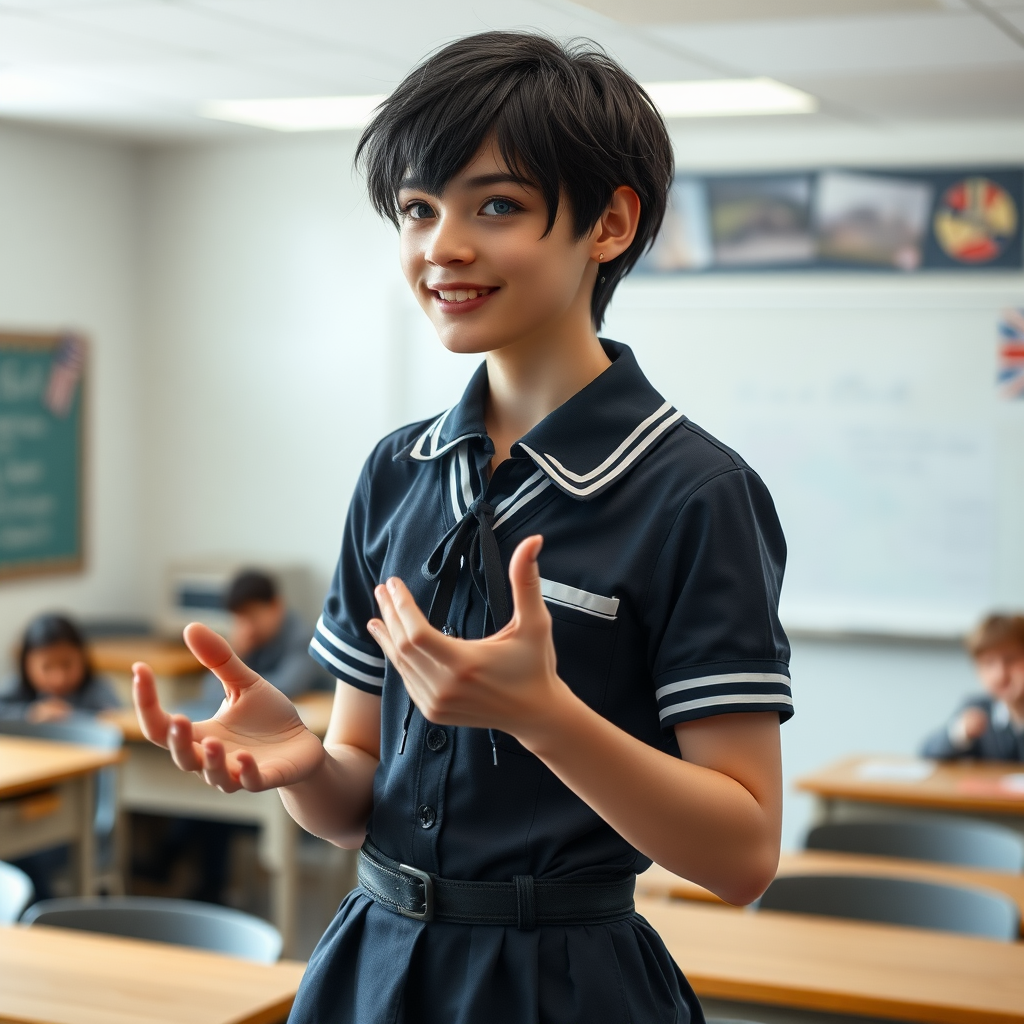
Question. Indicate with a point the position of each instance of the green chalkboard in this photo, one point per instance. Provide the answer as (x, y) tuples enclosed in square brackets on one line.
[(41, 450)]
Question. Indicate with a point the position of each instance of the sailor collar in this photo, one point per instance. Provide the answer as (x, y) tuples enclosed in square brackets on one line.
[(585, 445)]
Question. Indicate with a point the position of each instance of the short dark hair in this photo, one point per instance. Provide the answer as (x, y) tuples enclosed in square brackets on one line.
[(996, 631), (47, 630), (250, 586), (565, 117)]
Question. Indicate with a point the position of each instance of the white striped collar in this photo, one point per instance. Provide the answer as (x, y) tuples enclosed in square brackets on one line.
[(583, 447)]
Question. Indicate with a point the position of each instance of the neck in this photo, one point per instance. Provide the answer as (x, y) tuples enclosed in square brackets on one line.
[(533, 376)]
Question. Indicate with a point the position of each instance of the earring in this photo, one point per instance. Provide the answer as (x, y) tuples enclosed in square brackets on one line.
[(600, 256)]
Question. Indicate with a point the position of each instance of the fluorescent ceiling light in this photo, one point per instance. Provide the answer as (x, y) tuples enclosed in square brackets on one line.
[(307, 114), (729, 97), (16, 88)]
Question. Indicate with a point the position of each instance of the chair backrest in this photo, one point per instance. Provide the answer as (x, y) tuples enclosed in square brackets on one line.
[(976, 844), (180, 922), (902, 901), (16, 892), (86, 730)]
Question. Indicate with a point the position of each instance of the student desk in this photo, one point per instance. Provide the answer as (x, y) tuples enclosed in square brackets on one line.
[(657, 881), (60, 976), (151, 784), (46, 798), (977, 789), (842, 967)]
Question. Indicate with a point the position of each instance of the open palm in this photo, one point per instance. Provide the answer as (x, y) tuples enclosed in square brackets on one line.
[(255, 741)]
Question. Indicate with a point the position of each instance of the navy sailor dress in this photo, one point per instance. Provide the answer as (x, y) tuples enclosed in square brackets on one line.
[(661, 567)]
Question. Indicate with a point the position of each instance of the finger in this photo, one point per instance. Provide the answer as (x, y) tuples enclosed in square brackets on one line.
[(524, 576), (153, 720), (185, 752), (215, 653), (249, 774), (406, 617), (215, 767)]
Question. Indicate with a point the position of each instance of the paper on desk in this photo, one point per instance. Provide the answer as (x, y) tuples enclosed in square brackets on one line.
[(1014, 782), (895, 771)]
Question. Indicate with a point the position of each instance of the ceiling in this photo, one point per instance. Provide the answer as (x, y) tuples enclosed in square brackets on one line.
[(141, 68)]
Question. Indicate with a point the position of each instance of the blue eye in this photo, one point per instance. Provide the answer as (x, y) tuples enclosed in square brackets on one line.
[(419, 211), (500, 207)]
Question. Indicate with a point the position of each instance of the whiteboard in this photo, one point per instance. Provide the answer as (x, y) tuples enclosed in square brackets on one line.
[(869, 408)]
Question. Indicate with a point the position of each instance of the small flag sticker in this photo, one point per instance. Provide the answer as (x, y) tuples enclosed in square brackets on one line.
[(65, 372), (1010, 372)]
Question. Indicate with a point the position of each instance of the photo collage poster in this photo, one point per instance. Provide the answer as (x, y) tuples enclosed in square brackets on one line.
[(833, 219)]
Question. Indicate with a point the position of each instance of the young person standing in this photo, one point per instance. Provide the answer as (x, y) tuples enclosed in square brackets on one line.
[(507, 756)]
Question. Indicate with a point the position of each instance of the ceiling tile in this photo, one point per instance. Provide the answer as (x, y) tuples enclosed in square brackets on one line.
[(27, 38), (852, 45), (988, 93), (679, 11)]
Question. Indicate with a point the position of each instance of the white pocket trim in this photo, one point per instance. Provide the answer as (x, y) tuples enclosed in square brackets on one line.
[(582, 600)]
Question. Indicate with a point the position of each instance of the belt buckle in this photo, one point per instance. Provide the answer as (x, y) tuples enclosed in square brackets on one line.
[(427, 913)]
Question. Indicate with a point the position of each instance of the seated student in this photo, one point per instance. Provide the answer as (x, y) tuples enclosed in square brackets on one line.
[(269, 637), (991, 726), (55, 681), (55, 678)]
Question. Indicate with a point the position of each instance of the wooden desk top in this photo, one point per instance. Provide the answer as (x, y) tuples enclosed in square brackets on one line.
[(658, 881), (30, 764), (165, 657), (60, 976), (972, 786), (314, 709), (842, 966)]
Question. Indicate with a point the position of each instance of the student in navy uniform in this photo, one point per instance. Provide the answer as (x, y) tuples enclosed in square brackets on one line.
[(990, 727), (509, 757)]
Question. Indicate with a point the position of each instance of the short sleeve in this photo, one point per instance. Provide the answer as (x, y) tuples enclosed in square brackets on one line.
[(717, 645), (341, 642)]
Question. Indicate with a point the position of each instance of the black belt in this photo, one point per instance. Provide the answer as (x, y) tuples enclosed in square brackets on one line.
[(522, 903)]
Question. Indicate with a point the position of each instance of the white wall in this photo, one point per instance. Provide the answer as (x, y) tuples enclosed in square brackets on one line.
[(69, 258), (271, 304)]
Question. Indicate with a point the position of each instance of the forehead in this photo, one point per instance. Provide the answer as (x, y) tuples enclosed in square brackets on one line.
[(1008, 649)]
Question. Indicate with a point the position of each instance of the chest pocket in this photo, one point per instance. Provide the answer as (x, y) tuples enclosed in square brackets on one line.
[(584, 626)]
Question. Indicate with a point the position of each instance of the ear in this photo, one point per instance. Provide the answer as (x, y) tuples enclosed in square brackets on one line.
[(614, 232)]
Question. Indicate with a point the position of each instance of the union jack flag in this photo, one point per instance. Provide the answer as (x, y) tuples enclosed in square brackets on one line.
[(65, 370), (1010, 373)]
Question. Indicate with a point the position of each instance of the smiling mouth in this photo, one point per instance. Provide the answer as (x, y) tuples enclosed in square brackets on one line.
[(461, 294)]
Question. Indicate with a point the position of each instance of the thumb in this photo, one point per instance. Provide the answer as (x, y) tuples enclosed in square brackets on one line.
[(215, 653), (524, 575)]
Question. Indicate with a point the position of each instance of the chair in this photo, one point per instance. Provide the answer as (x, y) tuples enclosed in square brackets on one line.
[(902, 901), (945, 840), (16, 892), (179, 922), (89, 732)]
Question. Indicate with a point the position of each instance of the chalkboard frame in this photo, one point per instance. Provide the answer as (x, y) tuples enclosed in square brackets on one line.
[(49, 341)]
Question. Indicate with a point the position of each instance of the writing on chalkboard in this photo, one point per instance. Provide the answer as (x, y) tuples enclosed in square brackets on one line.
[(40, 453)]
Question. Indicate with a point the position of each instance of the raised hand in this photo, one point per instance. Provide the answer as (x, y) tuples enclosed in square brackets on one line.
[(255, 741), (504, 681)]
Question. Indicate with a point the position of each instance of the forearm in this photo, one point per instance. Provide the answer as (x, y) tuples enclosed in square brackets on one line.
[(334, 802), (695, 821)]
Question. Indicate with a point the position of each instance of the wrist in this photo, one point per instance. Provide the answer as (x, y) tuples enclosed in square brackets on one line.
[(546, 732)]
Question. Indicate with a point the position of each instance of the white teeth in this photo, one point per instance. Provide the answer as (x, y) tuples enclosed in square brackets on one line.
[(462, 294)]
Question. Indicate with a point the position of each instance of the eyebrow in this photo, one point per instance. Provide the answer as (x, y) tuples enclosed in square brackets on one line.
[(415, 183)]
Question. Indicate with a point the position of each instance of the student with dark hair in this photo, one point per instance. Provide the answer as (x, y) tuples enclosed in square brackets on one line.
[(990, 726), (268, 636), (55, 678), (554, 618)]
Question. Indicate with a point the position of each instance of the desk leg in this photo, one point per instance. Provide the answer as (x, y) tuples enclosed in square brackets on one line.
[(86, 846), (278, 851)]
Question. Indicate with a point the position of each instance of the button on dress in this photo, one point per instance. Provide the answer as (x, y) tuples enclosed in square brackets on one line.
[(661, 567)]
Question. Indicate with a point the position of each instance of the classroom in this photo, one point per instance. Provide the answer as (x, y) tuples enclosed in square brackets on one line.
[(770, 332)]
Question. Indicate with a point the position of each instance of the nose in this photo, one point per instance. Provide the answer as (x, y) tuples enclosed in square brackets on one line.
[(448, 244)]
